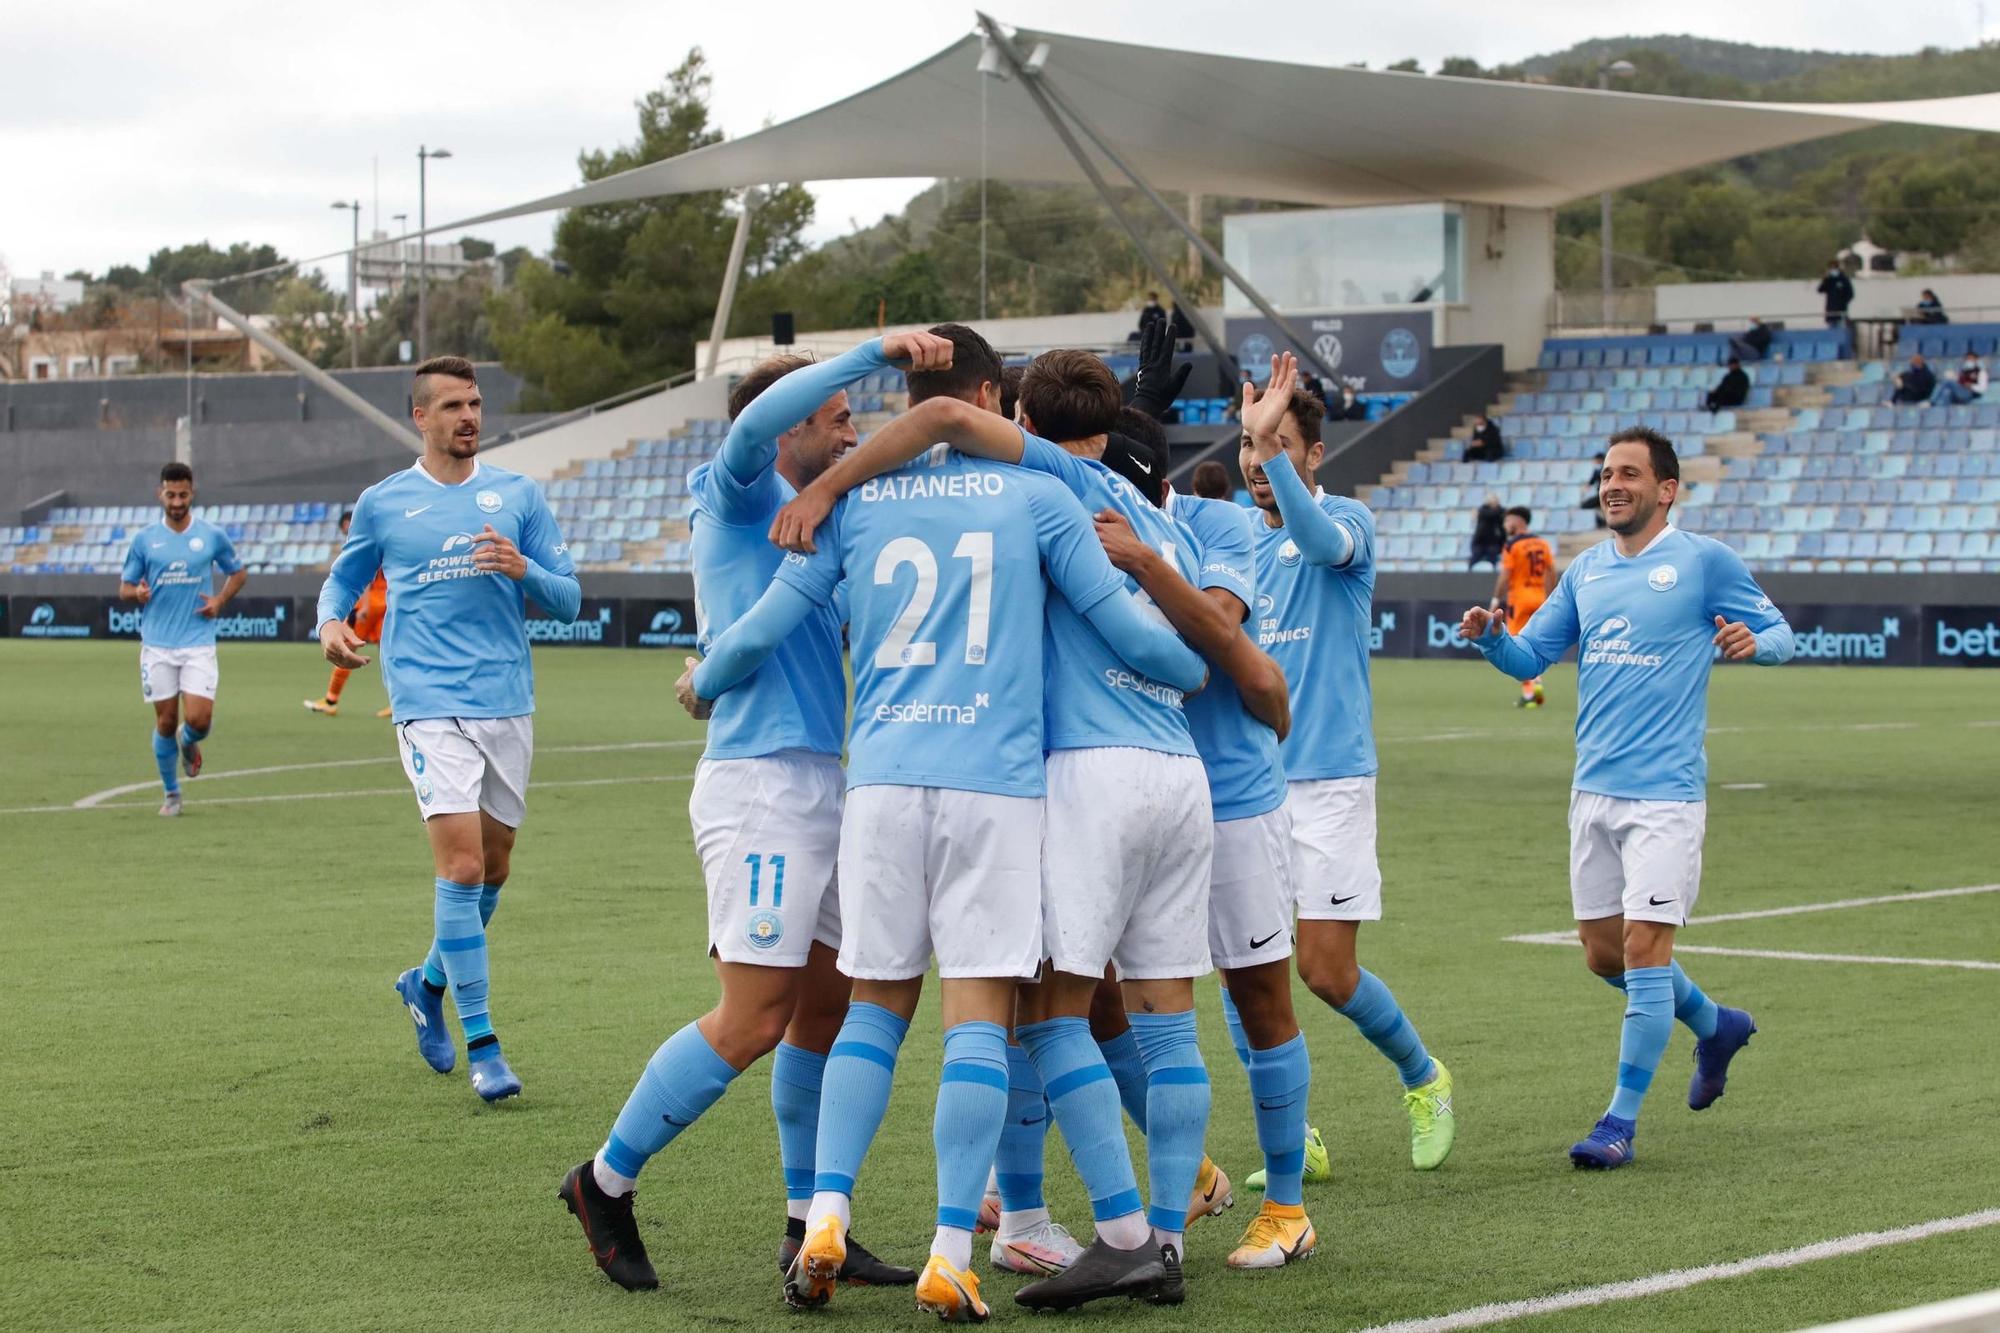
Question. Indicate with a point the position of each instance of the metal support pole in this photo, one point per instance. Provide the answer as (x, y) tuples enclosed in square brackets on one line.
[(727, 301), (1032, 86), (1604, 230), (1036, 83), (423, 257), (354, 295), (405, 435)]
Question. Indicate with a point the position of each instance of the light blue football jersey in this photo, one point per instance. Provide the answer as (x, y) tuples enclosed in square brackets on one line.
[(1093, 698), (455, 642), (1646, 625), (797, 700), (180, 569), (944, 560), (1246, 776), (1314, 619)]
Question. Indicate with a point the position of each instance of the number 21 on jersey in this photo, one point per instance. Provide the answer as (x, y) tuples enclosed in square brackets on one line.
[(901, 647)]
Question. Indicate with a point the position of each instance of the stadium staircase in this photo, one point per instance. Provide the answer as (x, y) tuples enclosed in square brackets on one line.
[(1813, 474)]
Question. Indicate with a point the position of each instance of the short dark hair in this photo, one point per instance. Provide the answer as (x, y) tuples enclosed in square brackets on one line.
[(1522, 512), (177, 472), (1010, 389), (761, 377), (347, 516), (973, 363), (1070, 395), (1211, 480), (1136, 425), (455, 366), (1308, 413), (1734, 363), (1666, 463)]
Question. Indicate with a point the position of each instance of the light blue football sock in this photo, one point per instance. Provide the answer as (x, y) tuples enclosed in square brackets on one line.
[(1084, 1101), (189, 736), (1128, 1071), (1691, 1005), (971, 1107), (1374, 1010), (796, 1077), (489, 901), (684, 1078), (166, 755), (461, 944), (855, 1093), (1176, 1115), (1280, 1081), (1018, 1163), (1649, 1021), (1234, 1022)]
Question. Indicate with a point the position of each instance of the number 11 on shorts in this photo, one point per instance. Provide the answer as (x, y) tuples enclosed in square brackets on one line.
[(756, 863)]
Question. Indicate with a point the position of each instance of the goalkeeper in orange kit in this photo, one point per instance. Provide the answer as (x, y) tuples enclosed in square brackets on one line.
[(366, 619), (1527, 576)]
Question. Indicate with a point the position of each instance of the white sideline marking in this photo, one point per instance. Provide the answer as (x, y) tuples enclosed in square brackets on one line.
[(1682, 1278), (377, 791), (1966, 1314), (1745, 786), (1968, 964)]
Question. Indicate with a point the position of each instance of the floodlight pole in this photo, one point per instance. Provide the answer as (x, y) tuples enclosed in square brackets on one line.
[(198, 290), (1193, 234), (1031, 83), (727, 301)]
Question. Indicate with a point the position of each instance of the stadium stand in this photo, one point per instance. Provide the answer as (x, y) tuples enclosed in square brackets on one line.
[(1812, 475)]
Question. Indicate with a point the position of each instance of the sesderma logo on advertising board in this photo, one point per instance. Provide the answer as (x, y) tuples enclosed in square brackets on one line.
[(256, 621), (1854, 635), (596, 625)]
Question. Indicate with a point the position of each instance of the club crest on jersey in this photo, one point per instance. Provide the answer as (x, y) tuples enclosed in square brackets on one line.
[(196, 544), (764, 930), (488, 502), (1288, 554), (1662, 578)]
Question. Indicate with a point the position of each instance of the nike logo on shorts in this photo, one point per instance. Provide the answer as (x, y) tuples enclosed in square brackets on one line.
[(1659, 902), (1256, 944), (1339, 901)]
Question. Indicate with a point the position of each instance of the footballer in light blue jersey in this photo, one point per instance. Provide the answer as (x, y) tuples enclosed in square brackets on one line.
[(1315, 587), (1651, 609), (170, 571), (463, 546), (765, 811)]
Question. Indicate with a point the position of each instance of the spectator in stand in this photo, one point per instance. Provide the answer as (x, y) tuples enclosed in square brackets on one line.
[(1591, 499), (1347, 407), (1930, 310), (1010, 389), (1485, 446), (1732, 390), (1211, 480), (1754, 343), (1489, 533), (1838, 289), (1916, 384), (1151, 313), (1969, 387)]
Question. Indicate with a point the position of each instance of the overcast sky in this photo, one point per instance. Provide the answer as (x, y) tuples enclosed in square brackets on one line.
[(128, 126)]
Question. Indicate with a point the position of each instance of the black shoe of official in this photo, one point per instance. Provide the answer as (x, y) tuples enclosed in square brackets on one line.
[(1101, 1271), (862, 1268), (610, 1229)]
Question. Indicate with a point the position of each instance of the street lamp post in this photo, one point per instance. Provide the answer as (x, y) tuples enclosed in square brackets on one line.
[(353, 286), (424, 155), (1604, 72)]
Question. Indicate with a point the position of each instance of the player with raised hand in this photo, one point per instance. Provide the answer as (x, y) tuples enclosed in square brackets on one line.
[(1315, 589), (464, 545), (1652, 608), (941, 837), (169, 571), (765, 812)]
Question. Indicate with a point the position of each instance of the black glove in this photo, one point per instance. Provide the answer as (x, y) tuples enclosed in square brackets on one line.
[(1159, 380)]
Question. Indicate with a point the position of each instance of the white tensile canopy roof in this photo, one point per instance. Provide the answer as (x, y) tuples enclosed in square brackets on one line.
[(1260, 129)]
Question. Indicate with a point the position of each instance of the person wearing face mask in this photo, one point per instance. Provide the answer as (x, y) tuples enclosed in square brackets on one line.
[(1930, 310), (1838, 289), (1968, 387)]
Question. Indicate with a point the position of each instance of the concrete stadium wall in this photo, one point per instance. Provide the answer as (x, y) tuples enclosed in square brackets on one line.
[(1510, 274), (125, 402), (1965, 296)]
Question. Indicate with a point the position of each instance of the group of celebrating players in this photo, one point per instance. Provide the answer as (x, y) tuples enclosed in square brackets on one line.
[(1104, 739)]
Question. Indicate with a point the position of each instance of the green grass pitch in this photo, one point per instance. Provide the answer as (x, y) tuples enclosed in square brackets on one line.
[(214, 1118)]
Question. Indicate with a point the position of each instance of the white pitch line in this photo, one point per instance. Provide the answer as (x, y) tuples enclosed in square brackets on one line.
[(1967, 964), (1744, 786), (1682, 1278), (1843, 904), (376, 791)]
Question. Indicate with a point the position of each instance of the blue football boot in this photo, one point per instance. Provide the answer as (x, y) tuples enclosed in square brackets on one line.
[(427, 1012), (1608, 1147), (1711, 1058), (492, 1079)]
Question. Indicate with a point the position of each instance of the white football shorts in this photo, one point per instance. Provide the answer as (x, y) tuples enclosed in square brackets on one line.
[(168, 673), (1333, 848), (768, 833), (1251, 896), (1636, 859), (933, 870), (1126, 857), (461, 764)]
